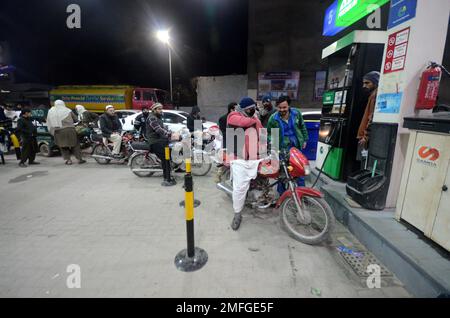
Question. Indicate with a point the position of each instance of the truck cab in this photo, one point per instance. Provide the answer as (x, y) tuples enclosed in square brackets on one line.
[(148, 96)]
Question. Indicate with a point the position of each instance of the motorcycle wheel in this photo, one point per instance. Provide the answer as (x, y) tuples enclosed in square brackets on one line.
[(200, 169), (197, 169), (101, 150), (45, 150), (322, 220), (140, 160)]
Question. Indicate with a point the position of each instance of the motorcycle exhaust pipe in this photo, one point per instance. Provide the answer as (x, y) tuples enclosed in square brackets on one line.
[(147, 170), (225, 189), (102, 157)]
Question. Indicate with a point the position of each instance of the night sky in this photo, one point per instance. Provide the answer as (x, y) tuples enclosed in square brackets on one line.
[(116, 43)]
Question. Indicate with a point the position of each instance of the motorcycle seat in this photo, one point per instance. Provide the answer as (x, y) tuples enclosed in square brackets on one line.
[(97, 137), (140, 146)]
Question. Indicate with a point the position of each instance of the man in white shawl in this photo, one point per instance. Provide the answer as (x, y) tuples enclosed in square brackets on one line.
[(60, 123), (86, 117)]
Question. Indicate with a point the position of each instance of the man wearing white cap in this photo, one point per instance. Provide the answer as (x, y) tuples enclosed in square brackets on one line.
[(158, 138), (111, 129)]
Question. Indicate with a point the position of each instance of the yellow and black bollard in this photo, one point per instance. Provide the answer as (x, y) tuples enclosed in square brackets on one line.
[(193, 258), (168, 180)]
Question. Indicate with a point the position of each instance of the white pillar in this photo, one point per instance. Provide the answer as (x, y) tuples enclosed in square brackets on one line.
[(427, 36)]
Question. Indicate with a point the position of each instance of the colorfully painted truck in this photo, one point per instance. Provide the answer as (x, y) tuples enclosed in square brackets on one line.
[(95, 97)]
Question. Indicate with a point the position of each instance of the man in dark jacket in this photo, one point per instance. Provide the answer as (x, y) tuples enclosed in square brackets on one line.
[(223, 123), (111, 129), (27, 133), (266, 110), (194, 115), (158, 138), (140, 122), (2, 114)]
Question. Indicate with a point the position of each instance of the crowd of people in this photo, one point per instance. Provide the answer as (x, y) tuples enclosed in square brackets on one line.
[(61, 122), (246, 114)]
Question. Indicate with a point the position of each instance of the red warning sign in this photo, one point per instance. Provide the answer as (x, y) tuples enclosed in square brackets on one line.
[(396, 51)]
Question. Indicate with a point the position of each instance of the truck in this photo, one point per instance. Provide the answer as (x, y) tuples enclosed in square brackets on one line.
[(95, 97)]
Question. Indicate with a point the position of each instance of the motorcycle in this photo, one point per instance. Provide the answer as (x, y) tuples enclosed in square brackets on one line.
[(8, 138), (305, 214), (144, 163), (84, 133), (102, 151)]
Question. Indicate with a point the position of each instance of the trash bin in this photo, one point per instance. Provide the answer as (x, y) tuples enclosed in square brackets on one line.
[(313, 127), (367, 190), (369, 187)]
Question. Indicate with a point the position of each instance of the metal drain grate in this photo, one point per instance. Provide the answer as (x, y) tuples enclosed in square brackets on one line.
[(360, 263)]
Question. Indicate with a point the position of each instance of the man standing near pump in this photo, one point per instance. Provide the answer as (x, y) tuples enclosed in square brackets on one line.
[(292, 130), (370, 87)]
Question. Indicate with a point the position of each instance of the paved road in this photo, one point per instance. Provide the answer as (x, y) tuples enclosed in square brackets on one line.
[(124, 232)]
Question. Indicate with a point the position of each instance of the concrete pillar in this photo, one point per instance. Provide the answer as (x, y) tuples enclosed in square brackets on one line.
[(427, 36)]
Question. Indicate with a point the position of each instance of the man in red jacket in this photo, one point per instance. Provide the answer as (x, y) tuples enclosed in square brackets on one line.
[(244, 168)]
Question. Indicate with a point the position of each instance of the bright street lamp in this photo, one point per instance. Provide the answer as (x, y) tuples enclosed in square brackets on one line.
[(164, 37)]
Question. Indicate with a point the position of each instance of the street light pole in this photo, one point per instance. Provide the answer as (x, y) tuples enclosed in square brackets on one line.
[(163, 36), (170, 72)]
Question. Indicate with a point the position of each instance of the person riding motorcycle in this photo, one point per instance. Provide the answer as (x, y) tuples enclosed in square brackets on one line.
[(158, 138), (111, 129), (245, 167), (140, 122), (86, 117)]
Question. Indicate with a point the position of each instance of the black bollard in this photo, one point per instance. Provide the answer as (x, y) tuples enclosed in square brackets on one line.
[(168, 181), (192, 258)]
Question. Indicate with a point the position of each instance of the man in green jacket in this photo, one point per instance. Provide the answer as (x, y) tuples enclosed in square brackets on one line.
[(292, 130)]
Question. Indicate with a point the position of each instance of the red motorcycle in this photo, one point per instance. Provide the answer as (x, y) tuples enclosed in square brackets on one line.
[(305, 214)]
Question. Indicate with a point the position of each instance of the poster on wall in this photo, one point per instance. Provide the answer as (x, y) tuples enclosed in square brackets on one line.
[(396, 51), (319, 85), (390, 93), (277, 84)]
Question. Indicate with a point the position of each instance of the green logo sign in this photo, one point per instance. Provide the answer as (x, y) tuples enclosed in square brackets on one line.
[(350, 11), (328, 98), (402, 11)]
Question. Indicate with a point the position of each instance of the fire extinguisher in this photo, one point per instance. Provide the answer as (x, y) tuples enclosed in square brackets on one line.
[(429, 87)]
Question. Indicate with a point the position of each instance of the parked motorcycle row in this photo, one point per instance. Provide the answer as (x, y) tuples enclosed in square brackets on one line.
[(142, 162)]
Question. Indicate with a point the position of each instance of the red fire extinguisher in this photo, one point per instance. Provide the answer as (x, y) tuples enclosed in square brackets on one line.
[(429, 87)]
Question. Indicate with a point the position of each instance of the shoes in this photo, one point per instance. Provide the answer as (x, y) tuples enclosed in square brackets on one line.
[(69, 162), (34, 163), (82, 161), (119, 156), (236, 223), (22, 165), (169, 183)]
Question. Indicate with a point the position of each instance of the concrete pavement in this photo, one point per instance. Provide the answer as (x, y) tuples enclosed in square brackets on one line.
[(124, 232)]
